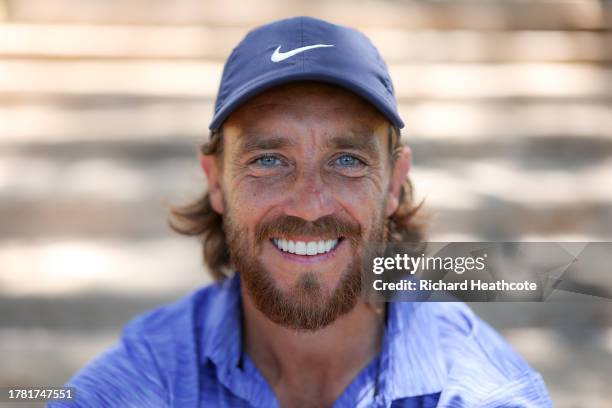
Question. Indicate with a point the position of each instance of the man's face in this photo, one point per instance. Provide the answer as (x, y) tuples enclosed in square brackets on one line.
[(303, 186)]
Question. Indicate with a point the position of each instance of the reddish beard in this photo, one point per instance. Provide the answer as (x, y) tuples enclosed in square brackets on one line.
[(306, 305)]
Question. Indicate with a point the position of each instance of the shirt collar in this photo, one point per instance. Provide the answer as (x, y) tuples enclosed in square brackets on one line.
[(411, 359)]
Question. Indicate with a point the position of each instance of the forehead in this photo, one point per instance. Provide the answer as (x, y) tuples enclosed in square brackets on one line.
[(312, 106)]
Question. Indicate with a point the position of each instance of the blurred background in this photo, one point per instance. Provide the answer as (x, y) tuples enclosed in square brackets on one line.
[(508, 106)]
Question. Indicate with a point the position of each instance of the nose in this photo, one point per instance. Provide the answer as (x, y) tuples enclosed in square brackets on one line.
[(310, 198)]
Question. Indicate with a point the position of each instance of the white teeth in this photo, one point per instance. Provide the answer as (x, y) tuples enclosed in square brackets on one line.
[(305, 248), (300, 248), (311, 248)]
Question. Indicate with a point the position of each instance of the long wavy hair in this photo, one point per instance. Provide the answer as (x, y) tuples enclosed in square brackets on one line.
[(407, 224)]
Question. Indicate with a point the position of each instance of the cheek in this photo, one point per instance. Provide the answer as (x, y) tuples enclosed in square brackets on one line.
[(250, 200), (260, 192), (362, 199)]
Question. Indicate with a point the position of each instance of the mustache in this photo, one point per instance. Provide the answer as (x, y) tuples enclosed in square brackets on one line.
[(328, 226)]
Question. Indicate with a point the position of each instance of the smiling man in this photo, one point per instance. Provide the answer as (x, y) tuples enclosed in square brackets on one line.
[(306, 171)]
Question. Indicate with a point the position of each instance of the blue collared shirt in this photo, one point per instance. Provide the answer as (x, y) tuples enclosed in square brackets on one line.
[(188, 354)]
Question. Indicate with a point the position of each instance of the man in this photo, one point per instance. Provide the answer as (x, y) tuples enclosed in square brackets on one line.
[(305, 170)]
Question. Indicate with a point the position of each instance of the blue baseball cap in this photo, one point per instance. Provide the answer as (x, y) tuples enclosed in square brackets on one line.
[(299, 49)]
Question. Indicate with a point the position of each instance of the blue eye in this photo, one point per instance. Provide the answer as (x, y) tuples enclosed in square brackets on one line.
[(348, 160), (268, 161)]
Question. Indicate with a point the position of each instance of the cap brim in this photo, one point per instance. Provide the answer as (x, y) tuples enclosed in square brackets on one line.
[(261, 84)]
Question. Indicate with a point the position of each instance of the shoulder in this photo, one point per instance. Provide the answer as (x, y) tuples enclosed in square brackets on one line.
[(482, 367), (187, 313), (153, 350), (462, 333)]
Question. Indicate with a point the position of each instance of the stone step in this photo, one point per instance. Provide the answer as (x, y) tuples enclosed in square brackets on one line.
[(445, 14), (77, 42), (86, 311), (26, 120), (90, 265), (201, 79)]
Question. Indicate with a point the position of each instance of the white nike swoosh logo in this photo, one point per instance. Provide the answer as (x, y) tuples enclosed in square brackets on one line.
[(278, 56)]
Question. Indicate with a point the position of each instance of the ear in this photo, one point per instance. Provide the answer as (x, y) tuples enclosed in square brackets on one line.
[(211, 168), (400, 170)]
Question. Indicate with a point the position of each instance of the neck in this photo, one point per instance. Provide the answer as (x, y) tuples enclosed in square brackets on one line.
[(311, 367)]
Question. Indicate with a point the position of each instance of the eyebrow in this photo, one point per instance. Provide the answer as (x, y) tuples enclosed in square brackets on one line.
[(353, 140), (255, 142), (365, 142)]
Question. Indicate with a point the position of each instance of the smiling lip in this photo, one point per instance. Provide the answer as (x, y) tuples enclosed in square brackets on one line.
[(307, 251)]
